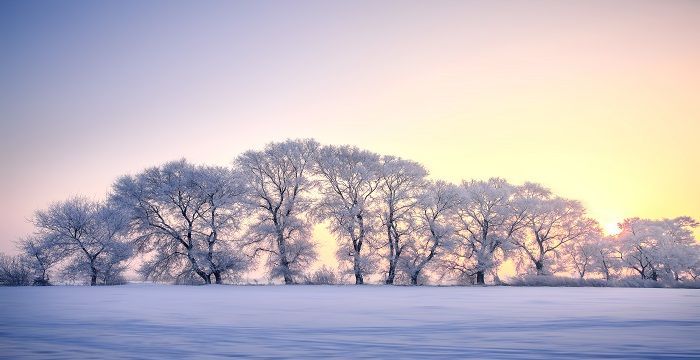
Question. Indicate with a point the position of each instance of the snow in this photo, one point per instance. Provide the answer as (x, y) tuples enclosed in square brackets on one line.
[(159, 321)]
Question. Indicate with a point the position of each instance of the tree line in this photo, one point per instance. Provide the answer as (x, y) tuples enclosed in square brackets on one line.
[(189, 223)]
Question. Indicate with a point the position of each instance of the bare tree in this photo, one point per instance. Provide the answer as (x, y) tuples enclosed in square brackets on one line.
[(435, 227), (349, 178), (400, 181), (279, 181), (185, 217), (85, 235)]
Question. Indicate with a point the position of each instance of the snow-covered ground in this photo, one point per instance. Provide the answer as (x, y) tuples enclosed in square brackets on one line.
[(154, 321)]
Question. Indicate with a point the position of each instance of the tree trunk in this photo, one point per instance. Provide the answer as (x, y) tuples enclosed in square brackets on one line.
[(480, 278), (284, 263), (414, 278), (93, 275), (359, 279), (217, 277), (392, 273), (540, 267), (206, 277)]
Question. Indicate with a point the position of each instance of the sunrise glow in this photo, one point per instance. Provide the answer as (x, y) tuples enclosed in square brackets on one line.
[(611, 229), (370, 179)]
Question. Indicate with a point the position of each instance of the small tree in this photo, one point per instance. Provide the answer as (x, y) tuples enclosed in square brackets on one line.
[(580, 256), (15, 270), (85, 235), (41, 258), (606, 259), (323, 276), (435, 227)]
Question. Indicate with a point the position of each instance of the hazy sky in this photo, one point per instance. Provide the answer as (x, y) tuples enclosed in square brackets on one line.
[(599, 100)]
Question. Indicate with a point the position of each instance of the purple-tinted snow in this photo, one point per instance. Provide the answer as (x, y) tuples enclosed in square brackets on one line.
[(151, 321)]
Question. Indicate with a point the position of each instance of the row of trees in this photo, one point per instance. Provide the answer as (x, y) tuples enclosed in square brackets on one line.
[(212, 224)]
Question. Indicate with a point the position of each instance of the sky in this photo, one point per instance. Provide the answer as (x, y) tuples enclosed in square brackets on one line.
[(598, 100)]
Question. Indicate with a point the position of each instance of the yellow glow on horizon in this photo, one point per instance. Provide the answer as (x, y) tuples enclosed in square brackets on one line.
[(599, 101), (610, 229)]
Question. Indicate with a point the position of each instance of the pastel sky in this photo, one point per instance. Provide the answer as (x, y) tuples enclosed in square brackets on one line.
[(599, 100)]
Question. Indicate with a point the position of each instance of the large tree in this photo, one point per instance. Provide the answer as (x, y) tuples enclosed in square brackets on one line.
[(399, 185), (185, 217), (88, 236), (349, 178), (279, 181), (488, 220)]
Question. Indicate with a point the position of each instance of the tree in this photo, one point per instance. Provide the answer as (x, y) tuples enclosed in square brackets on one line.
[(349, 178), (693, 269), (434, 231), (40, 256), (87, 236), (186, 218), (581, 255), (279, 181), (658, 248), (488, 219), (550, 222), (606, 259), (15, 270), (222, 217), (399, 183)]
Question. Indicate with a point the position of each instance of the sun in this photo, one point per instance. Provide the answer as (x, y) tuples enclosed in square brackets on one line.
[(611, 228)]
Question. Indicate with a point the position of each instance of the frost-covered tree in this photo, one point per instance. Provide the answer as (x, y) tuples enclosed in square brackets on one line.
[(692, 271), (185, 217), (323, 276), (40, 256), (349, 178), (488, 219), (580, 256), (606, 259), (658, 248), (87, 236), (222, 217), (15, 270), (435, 227), (279, 181), (550, 222), (399, 184)]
